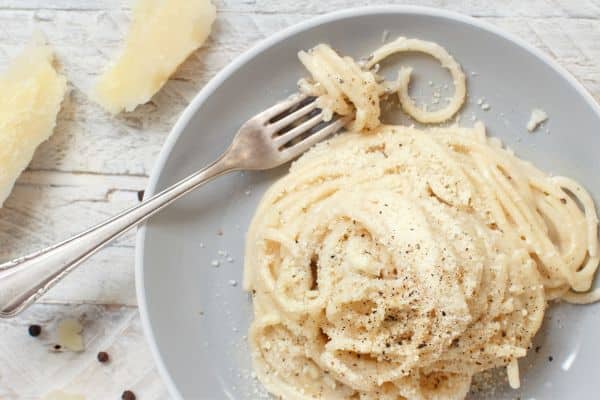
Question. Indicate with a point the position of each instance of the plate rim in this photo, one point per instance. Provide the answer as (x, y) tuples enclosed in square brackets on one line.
[(254, 51)]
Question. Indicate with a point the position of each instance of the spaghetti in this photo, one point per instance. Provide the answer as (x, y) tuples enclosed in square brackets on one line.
[(398, 263)]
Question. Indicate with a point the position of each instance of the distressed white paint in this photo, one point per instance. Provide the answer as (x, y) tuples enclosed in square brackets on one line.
[(30, 366), (94, 165)]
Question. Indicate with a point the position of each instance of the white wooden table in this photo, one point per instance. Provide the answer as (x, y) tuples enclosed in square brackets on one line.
[(94, 166)]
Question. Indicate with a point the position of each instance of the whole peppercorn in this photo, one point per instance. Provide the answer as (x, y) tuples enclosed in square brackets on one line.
[(103, 357), (128, 395), (34, 330)]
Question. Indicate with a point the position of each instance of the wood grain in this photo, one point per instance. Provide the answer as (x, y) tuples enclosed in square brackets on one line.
[(31, 367), (94, 165)]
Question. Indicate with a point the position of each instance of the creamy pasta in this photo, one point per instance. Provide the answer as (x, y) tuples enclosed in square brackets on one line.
[(396, 263)]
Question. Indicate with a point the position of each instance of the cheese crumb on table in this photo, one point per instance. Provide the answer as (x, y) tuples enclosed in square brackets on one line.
[(69, 335), (161, 36), (537, 117), (30, 99)]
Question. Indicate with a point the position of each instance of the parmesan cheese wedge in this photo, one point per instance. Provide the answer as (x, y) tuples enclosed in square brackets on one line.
[(163, 33), (31, 92)]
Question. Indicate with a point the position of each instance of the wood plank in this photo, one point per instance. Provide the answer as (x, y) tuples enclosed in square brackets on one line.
[(484, 8), (488, 8), (48, 207), (30, 367)]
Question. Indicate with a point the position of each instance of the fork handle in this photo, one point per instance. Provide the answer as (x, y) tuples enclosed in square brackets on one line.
[(26, 279)]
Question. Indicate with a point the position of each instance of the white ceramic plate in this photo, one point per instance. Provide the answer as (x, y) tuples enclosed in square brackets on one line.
[(194, 315)]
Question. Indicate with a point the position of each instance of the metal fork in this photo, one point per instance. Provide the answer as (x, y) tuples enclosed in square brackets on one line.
[(267, 140)]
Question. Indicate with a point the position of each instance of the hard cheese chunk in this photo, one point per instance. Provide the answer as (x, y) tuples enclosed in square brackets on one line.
[(162, 35), (31, 92), (69, 335)]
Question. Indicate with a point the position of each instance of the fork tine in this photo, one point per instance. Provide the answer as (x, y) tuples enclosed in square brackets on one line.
[(296, 115), (280, 107), (298, 130), (315, 138)]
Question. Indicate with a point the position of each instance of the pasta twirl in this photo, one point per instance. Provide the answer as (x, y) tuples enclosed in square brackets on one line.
[(343, 87)]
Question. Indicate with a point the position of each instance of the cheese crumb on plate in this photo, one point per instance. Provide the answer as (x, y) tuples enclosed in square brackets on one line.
[(537, 117), (161, 36), (30, 99)]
